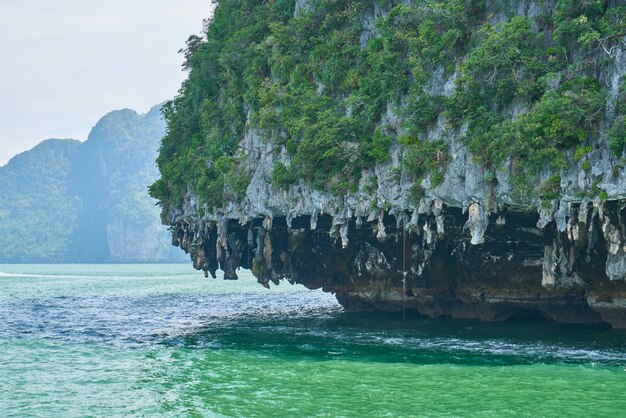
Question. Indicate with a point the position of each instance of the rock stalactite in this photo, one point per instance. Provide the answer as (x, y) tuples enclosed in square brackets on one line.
[(436, 260)]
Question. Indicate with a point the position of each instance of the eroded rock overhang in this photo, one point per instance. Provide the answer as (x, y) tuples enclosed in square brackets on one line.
[(566, 263)]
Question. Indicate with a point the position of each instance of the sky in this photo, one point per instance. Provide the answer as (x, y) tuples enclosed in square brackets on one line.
[(66, 63)]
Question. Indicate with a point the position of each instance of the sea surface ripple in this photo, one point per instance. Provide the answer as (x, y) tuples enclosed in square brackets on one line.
[(124, 340)]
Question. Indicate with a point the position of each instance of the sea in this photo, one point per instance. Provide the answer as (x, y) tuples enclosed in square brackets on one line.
[(161, 340)]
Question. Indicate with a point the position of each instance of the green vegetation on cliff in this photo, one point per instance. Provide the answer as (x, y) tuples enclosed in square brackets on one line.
[(336, 83)]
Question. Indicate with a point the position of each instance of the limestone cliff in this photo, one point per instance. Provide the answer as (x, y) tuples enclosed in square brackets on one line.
[(516, 214)]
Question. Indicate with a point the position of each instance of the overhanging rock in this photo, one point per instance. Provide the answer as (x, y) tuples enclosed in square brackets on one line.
[(436, 260)]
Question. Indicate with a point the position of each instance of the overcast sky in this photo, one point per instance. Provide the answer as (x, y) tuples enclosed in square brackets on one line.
[(66, 63)]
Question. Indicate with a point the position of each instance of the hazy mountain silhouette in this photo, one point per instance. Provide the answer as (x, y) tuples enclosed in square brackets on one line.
[(67, 201)]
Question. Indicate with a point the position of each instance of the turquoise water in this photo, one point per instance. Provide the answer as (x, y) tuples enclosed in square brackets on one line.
[(160, 340)]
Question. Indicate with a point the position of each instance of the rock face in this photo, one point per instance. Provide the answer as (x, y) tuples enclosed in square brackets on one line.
[(465, 246)]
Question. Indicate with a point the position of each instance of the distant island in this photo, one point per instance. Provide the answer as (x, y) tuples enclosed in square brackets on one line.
[(71, 201)]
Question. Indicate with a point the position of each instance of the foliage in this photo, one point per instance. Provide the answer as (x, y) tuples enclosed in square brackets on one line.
[(282, 176), (559, 120), (617, 136), (586, 165), (617, 133), (425, 157), (207, 120), (558, 106), (590, 24), (336, 90), (581, 152), (551, 188), (309, 83)]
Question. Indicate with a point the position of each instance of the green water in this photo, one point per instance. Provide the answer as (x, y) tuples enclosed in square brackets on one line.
[(145, 340)]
